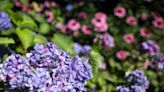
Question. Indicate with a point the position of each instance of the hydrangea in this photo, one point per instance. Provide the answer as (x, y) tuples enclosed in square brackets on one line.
[(5, 21), (159, 61), (123, 89), (107, 40), (135, 88), (14, 71), (45, 69), (138, 78), (82, 50), (149, 47), (69, 7)]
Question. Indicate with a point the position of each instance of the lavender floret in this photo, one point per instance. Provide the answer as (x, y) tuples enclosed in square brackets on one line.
[(149, 47), (123, 89), (159, 61), (5, 21), (138, 78)]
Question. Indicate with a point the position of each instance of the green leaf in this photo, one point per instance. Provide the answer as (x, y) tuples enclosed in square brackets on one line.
[(63, 41), (26, 37), (44, 28), (28, 23), (39, 39), (14, 17), (96, 58), (5, 4), (6, 40)]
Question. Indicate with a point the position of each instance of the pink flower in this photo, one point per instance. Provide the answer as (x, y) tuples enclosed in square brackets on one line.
[(53, 4), (103, 27), (122, 55), (39, 8), (155, 14), (49, 15), (85, 29), (18, 3), (102, 66), (99, 22), (65, 29), (83, 15), (47, 3), (120, 11), (145, 32), (129, 38), (102, 16), (158, 22), (59, 25), (73, 25), (143, 16), (147, 63), (24, 9), (131, 20)]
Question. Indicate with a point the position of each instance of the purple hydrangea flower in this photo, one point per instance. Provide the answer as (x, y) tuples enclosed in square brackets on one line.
[(77, 48), (69, 7), (138, 78), (107, 40), (149, 47), (82, 50), (14, 70), (123, 89), (39, 79), (46, 69), (5, 21), (44, 56), (159, 61), (135, 88)]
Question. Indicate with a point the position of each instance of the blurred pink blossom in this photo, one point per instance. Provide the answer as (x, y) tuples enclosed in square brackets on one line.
[(39, 8), (102, 66), (122, 55), (18, 3), (50, 16), (85, 29), (129, 38), (158, 22), (147, 63), (24, 9), (73, 25), (47, 3), (53, 4), (65, 29), (131, 20), (155, 14), (120, 11), (143, 16), (59, 25), (83, 15), (102, 27), (145, 32), (99, 22), (102, 16)]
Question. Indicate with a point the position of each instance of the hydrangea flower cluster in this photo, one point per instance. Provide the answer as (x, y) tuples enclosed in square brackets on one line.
[(150, 47), (5, 21), (107, 40), (159, 61), (138, 82), (123, 89), (82, 50), (45, 69), (137, 77)]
